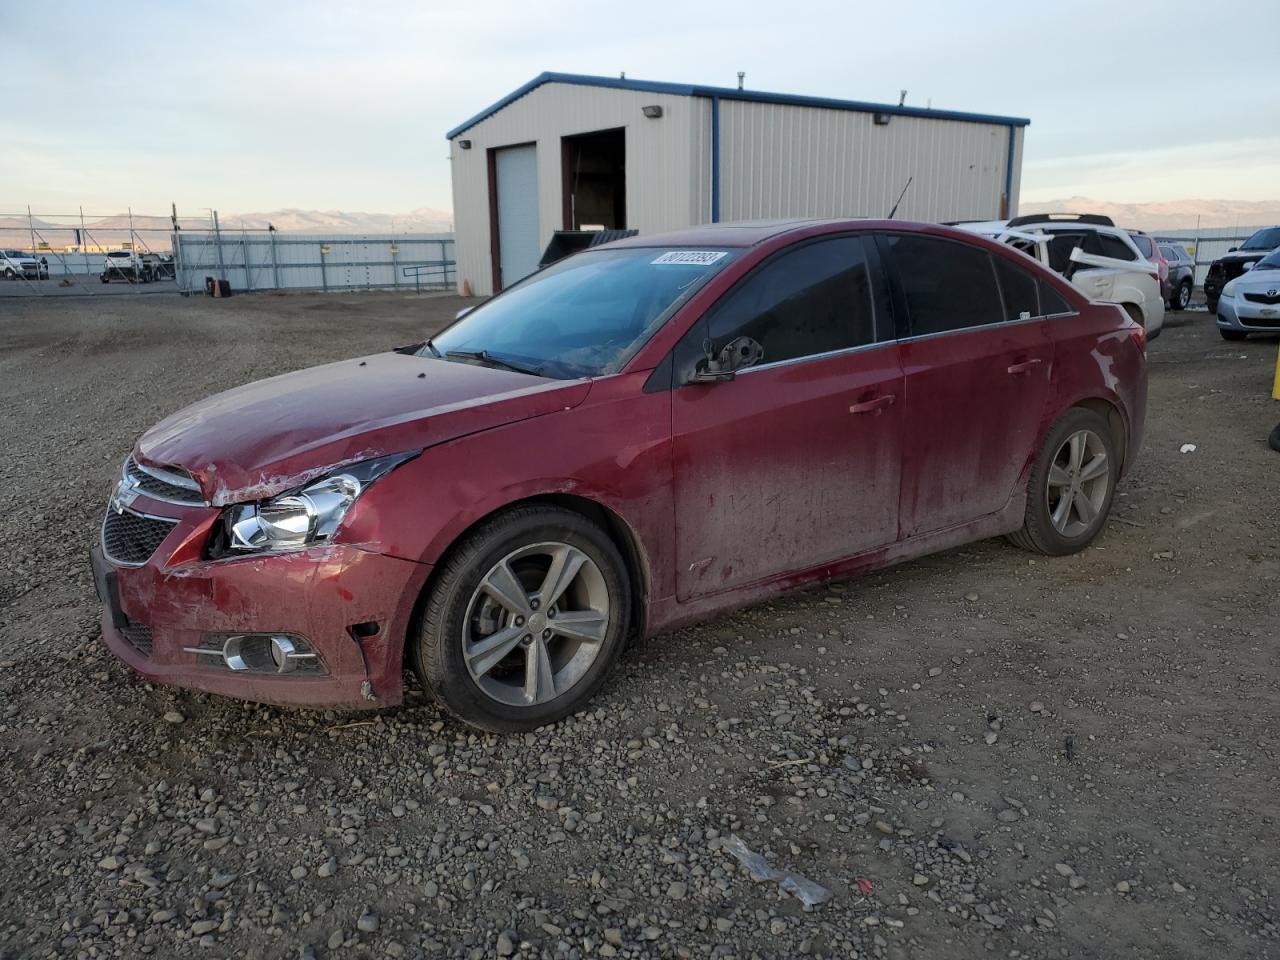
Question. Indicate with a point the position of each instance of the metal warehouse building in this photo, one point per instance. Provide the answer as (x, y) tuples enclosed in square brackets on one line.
[(569, 152)]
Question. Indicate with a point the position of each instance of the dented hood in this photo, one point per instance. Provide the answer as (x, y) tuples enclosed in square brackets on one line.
[(263, 438)]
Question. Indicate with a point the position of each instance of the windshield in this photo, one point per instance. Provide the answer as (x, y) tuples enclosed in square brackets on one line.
[(1267, 239), (584, 316), (1270, 262)]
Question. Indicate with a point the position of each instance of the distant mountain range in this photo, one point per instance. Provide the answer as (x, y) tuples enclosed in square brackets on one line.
[(1168, 214), (113, 231)]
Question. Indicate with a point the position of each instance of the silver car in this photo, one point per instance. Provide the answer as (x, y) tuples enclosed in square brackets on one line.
[(1251, 302), (1182, 274)]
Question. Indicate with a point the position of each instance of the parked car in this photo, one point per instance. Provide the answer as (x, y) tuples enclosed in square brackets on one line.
[(1098, 258), (1150, 251), (17, 264), (1251, 302), (124, 265), (158, 266), (1182, 274), (1225, 269), (640, 436)]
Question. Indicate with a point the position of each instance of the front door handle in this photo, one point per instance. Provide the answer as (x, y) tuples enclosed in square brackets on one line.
[(1025, 366), (874, 405)]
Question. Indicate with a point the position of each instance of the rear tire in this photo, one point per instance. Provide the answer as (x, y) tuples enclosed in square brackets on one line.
[(1232, 335), (1071, 485), (1182, 296), (530, 679)]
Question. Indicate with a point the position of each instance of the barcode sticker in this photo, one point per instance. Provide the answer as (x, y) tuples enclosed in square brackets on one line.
[(698, 258)]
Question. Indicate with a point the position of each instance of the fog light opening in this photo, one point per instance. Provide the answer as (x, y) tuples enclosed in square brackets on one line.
[(277, 653)]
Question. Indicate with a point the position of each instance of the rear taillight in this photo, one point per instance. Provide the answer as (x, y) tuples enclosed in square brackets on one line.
[(1162, 265), (1138, 333)]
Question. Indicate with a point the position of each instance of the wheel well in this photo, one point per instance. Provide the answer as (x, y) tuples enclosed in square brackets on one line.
[(619, 532), (1111, 414)]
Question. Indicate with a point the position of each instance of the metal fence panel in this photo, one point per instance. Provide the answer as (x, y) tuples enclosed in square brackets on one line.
[(1206, 244), (269, 260)]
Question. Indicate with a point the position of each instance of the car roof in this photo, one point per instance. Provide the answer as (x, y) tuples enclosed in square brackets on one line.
[(745, 233)]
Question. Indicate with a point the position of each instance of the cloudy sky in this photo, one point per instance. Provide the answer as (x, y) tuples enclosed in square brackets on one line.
[(260, 106)]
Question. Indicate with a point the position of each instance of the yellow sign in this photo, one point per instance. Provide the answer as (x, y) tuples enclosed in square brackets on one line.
[(42, 245), (324, 248), (394, 248)]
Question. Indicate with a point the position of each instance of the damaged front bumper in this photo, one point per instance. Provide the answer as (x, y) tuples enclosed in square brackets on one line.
[(342, 611)]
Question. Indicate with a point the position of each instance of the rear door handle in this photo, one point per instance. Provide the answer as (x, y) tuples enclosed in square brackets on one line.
[(1025, 366), (874, 405)]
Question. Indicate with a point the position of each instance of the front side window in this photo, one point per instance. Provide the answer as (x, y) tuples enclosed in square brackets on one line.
[(583, 317), (812, 299), (1061, 245), (948, 285)]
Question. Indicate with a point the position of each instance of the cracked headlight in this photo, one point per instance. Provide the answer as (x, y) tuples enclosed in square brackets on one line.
[(302, 517)]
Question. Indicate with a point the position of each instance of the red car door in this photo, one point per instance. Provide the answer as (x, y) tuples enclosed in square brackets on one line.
[(977, 357), (796, 460)]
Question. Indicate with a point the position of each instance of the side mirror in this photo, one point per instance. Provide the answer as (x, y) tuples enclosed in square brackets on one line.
[(1232, 249), (1247, 266), (737, 354)]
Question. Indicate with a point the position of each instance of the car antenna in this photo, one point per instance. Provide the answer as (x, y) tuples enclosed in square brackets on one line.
[(900, 196)]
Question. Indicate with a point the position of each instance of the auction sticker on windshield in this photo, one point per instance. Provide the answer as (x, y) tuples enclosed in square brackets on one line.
[(700, 258)]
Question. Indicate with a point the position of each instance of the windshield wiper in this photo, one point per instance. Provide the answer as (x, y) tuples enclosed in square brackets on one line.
[(432, 347), (487, 358)]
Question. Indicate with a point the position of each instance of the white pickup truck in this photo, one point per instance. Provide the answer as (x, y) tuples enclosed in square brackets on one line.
[(16, 264)]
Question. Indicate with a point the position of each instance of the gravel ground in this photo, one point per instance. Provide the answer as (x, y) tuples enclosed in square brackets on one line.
[(979, 753)]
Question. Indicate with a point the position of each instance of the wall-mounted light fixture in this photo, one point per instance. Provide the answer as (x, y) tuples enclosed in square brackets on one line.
[(653, 111), (464, 144), (881, 119)]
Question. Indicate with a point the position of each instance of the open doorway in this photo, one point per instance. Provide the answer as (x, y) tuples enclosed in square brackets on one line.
[(595, 180)]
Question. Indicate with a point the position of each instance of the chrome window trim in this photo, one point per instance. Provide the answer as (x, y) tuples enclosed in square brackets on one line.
[(790, 361), (102, 534), (988, 326)]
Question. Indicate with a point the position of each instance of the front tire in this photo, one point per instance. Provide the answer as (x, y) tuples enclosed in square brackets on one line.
[(1071, 485), (1182, 297), (525, 621)]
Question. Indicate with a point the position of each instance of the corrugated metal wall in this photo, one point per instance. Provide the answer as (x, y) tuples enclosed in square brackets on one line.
[(280, 261), (661, 194), (775, 161), (788, 161)]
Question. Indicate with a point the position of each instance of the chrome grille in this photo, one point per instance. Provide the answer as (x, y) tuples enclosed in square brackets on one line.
[(171, 485), (132, 538), (138, 636)]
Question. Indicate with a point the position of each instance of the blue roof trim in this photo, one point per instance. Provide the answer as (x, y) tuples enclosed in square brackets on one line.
[(731, 93)]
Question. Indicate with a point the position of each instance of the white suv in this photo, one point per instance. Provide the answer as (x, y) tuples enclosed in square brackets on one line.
[(1097, 257)]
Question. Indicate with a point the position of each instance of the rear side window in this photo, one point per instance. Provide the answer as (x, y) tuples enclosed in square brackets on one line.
[(1144, 245), (948, 285), (1018, 289), (1114, 247), (813, 299), (1052, 302)]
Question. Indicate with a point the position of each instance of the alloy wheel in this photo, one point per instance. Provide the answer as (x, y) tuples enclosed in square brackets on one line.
[(1184, 296), (1078, 483), (535, 624)]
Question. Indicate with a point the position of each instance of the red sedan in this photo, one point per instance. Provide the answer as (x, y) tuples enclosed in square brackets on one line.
[(646, 434)]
